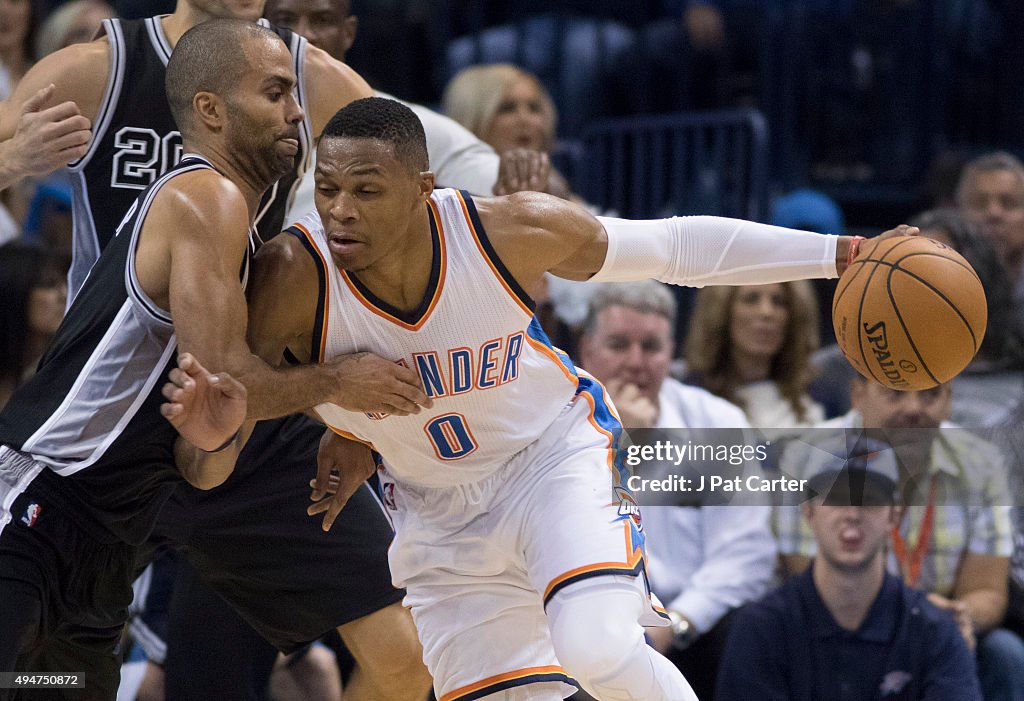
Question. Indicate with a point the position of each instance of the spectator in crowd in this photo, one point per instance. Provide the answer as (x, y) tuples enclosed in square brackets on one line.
[(1009, 435), (752, 345), (32, 299), (954, 539), (991, 193), (846, 629), (509, 109), (73, 23), (706, 561)]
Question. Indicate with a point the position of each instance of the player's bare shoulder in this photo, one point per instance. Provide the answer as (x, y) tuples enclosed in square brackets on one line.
[(534, 232), (204, 204)]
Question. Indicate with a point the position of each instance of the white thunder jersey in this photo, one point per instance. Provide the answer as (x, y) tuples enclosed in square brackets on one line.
[(496, 381)]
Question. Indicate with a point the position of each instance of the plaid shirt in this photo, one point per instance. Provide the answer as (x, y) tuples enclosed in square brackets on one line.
[(971, 512)]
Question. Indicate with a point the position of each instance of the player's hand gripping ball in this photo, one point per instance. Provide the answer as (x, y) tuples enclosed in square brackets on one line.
[(909, 313)]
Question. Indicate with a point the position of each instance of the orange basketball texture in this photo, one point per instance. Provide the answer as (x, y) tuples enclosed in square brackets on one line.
[(910, 313)]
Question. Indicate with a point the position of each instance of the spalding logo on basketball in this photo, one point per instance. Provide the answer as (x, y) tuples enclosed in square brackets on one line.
[(909, 313)]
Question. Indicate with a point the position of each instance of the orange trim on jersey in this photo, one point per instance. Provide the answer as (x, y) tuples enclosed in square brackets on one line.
[(443, 265), (548, 351), (634, 558), (490, 263), (611, 439), (327, 292), (464, 691)]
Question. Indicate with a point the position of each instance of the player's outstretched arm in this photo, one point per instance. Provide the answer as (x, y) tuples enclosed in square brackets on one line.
[(46, 123), (208, 412), (535, 233)]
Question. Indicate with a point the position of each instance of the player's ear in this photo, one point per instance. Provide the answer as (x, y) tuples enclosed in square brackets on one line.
[(426, 183), (209, 109)]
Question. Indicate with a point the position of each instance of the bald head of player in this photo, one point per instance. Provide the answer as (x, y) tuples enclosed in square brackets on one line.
[(372, 185), (236, 104)]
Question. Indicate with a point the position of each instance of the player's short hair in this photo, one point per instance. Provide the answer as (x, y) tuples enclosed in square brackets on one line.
[(384, 120), (645, 297), (989, 163), (209, 57)]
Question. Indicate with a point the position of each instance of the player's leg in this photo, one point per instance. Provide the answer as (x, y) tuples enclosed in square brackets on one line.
[(481, 624), (211, 652), (389, 658), (88, 652), (252, 542), (307, 675), (585, 553), (26, 568), (63, 595), (20, 617), (622, 667)]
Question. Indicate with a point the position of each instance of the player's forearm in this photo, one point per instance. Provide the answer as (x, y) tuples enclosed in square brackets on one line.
[(283, 391), (205, 470), (699, 251)]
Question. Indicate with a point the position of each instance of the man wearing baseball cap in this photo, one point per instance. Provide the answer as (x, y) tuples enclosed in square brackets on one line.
[(845, 628)]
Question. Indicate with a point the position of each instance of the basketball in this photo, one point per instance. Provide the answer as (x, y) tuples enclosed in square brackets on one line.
[(910, 314)]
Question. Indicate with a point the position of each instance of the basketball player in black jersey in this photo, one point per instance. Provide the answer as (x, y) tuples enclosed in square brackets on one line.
[(86, 458), (116, 82), (250, 539)]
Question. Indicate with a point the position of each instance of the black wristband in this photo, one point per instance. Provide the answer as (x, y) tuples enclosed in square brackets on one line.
[(225, 445)]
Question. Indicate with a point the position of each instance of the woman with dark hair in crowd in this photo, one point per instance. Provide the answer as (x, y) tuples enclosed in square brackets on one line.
[(33, 294), (752, 346)]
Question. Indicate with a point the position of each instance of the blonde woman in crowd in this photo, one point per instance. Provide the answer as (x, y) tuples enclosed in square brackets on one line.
[(752, 345), (508, 108)]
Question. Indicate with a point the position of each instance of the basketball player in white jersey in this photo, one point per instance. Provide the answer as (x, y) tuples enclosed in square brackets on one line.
[(522, 556)]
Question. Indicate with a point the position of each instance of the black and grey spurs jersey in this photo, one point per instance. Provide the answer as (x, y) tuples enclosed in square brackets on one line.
[(135, 141), (91, 413)]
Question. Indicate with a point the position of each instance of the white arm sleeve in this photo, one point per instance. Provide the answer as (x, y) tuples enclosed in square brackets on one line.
[(699, 251)]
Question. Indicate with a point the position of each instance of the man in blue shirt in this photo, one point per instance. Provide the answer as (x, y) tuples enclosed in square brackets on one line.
[(845, 630)]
